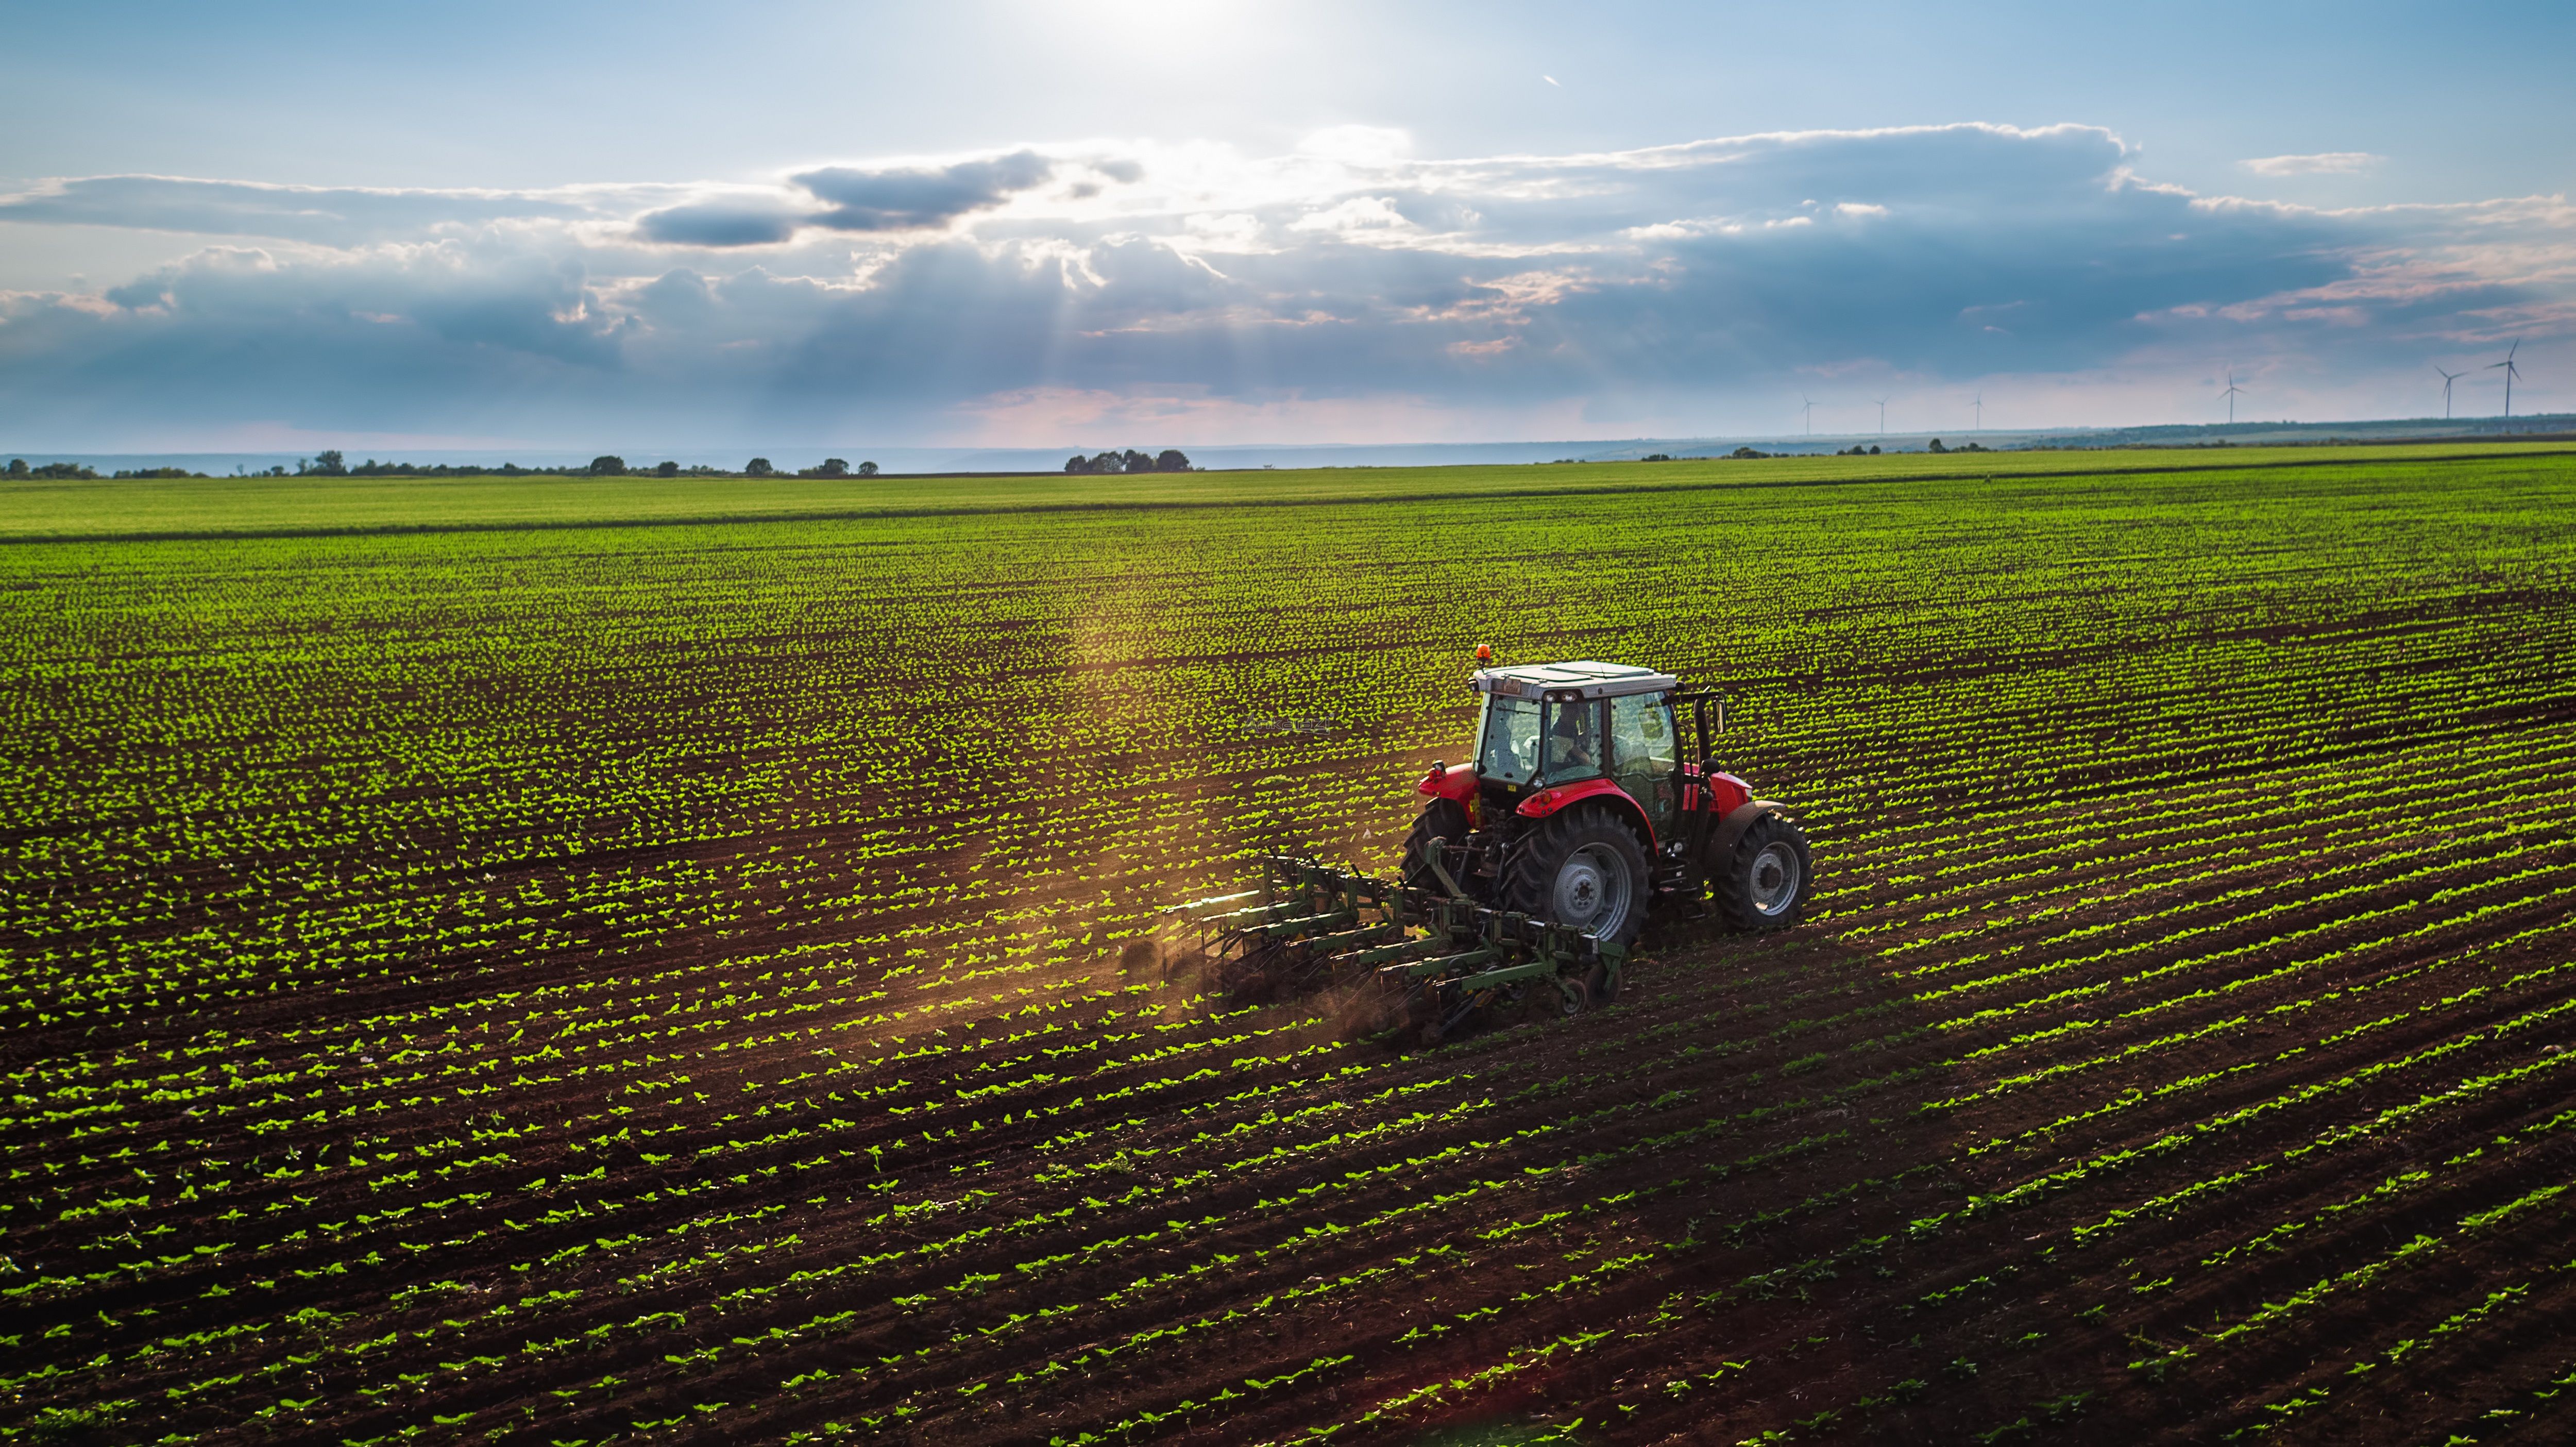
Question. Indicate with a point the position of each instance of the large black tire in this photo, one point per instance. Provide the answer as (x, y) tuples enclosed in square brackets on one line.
[(1582, 868), (1443, 821), (1766, 883)]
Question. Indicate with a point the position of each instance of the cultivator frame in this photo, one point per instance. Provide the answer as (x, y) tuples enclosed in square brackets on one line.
[(1409, 957)]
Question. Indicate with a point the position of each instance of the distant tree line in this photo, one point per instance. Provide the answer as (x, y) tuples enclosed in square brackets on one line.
[(328, 463), (75, 471), (333, 463), (1170, 459), (607, 464), (18, 468)]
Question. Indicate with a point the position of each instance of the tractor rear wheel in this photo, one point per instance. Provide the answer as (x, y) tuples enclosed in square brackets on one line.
[(1766, 883), (1443, 822), (1583, 869)]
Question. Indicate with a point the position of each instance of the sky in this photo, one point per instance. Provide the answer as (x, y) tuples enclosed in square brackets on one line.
[(1145, 223)]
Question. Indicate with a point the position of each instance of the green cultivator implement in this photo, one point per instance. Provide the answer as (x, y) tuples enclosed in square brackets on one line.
[(1531, 870), (1400, 958)]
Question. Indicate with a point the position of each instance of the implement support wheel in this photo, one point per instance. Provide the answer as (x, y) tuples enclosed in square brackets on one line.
[(1547, 1001), (1603, 984)]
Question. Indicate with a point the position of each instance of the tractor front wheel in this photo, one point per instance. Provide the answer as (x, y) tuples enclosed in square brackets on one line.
[(1443, 823), (1582, 869), (1766, 883)]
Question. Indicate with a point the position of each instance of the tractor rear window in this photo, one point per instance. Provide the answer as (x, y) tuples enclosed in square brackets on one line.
[(1508, 750), (1573, 740)]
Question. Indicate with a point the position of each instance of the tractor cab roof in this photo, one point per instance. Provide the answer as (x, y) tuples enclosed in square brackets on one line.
[(1580, 679)]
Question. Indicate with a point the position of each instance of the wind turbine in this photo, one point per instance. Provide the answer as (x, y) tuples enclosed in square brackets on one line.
[(1882, 416), (2447, 379), (2510, 372), (1980, 405), (2230, 395), (1811, 413)]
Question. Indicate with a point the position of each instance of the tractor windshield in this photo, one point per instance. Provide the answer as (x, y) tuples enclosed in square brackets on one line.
[(1507, 751)]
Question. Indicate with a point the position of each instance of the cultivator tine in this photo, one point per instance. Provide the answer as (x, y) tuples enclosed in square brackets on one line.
[(1464, 1011), (1308, 914), (1303, 926), (1233, 918), (1365, 935), (1395, 954), (1213, 901), (1443, 966)]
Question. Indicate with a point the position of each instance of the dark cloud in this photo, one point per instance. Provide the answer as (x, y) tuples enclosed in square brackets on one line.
[(718, 223), (864, 200), (679, 296), (152, 289), (234, 335), (918, 199)]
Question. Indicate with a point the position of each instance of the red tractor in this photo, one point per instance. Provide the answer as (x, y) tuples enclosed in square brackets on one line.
[(1532, 869), (1581, 808)]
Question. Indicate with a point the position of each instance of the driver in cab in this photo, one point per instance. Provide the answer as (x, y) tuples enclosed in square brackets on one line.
[(1571, 749)]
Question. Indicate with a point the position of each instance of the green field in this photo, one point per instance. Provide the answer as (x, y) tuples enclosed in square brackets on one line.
[(240, 506), (554, 961)]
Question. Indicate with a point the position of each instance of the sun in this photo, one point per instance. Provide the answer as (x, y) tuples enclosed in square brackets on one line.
[(1164, 31)]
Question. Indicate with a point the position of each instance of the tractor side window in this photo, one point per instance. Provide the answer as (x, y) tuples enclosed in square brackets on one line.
[(1645, 753), (1573, 740), (1641, 734), (1507, 751)]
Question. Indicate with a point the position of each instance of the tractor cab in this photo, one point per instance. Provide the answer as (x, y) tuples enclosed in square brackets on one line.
[(1559, 726)]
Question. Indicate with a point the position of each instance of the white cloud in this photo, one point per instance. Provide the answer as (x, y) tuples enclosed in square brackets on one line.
[(1228, 231), (2322, 163), (1359, 145), (328, 216), (1357, 217)]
